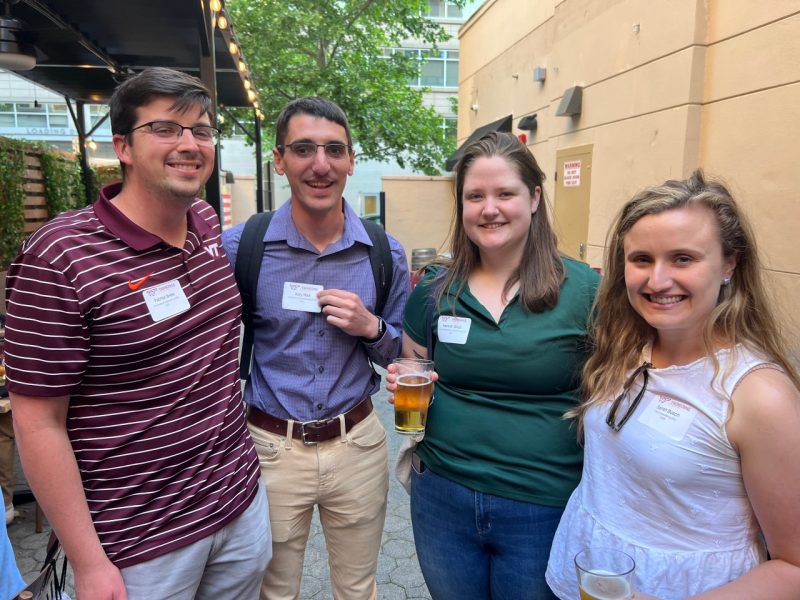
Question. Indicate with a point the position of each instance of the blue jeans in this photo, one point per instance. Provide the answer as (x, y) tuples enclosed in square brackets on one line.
[(476, 546)]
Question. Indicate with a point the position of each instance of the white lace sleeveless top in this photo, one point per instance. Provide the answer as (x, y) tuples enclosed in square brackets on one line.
[(667, 488)]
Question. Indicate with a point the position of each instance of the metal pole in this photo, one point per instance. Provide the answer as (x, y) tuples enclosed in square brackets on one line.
[(208, 70), (259, 167), (270, 192), (80, 125)]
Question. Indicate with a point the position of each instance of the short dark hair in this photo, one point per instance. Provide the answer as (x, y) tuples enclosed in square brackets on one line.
[(314, 106), (156, 82)]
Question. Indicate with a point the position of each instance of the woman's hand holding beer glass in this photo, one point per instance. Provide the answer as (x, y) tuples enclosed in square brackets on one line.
[(411, 381)]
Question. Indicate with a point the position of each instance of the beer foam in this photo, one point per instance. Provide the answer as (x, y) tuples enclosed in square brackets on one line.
[(403, 380), (604, 586)]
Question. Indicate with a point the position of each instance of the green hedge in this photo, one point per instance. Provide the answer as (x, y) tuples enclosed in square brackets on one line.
[(12, 198), (63, 183)]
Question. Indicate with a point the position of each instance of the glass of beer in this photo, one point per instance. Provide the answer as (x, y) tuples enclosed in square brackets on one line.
[(413, 395), (604, 574)]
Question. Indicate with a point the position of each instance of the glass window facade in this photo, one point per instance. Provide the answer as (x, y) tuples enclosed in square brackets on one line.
[(441, 9), (34, 114), (438, 68)]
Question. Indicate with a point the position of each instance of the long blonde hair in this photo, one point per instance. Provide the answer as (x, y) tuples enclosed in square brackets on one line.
[(743, 314), (541, 271)]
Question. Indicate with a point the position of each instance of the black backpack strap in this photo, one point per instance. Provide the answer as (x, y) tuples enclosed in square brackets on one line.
[(247, 269), (380, 258)]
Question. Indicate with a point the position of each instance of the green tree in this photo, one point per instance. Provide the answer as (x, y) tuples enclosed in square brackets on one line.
[(336, 49)]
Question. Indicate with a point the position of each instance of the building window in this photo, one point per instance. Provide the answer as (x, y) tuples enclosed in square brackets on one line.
[(442, 9), (7, 118), (97, 112), (438, 68), (371, 204), (33, 114), (57, 115)]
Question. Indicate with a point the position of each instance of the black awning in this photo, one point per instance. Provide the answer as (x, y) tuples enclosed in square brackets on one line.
[(77, 42), (503, 124)]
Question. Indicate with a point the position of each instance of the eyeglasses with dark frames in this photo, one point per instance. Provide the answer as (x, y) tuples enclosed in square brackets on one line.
[(626, 390), (169, 131), (333, 150)]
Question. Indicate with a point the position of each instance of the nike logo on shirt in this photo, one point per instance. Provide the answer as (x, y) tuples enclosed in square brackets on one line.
[(135, 284)]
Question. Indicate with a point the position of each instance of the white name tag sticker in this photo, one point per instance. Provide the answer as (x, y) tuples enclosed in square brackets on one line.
[(165, 300), (453, 330), (668, 416), (301, 296)]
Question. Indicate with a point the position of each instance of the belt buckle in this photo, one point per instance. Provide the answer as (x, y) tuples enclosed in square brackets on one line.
[(311, 425)]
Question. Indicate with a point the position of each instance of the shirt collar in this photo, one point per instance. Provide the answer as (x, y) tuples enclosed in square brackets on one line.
[(129, 232), (282, 228)]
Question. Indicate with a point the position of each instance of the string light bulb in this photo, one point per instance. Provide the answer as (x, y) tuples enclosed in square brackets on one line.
[(247, 84), (233, 48), (222, 22), (215, 5), (251, 95), (242, 66)]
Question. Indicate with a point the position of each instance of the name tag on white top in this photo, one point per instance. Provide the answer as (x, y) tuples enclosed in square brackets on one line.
[(301, 296), (453, 330), (668, 416), (165, 300)]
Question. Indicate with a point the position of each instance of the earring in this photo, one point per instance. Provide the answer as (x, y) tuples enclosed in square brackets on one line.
[(726, 281)]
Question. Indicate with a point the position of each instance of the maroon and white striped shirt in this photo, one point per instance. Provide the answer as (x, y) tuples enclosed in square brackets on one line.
[(155, 414)]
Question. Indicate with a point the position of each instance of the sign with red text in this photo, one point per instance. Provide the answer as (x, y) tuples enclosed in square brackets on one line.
[(572, 173)]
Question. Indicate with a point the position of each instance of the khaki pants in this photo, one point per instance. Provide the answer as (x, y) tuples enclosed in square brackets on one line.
[(7, 458), (348, 479)]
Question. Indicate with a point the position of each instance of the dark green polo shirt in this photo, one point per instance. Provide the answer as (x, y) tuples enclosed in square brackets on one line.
[(496, 424)]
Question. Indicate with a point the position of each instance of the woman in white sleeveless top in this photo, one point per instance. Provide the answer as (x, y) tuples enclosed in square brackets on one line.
[(692, 418)]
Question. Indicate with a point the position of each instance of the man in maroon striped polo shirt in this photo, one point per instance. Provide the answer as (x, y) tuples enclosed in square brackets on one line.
[(121, 353)]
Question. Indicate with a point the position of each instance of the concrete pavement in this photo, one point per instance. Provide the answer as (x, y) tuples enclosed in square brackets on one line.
[(399, 576)]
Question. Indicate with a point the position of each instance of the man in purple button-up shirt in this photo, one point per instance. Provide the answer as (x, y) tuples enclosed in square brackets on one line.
[(312, 360)]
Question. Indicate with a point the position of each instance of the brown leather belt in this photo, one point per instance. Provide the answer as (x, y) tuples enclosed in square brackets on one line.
[(311, 432)]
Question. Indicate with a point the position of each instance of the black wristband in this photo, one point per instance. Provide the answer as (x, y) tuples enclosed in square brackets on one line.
[(381, 331)]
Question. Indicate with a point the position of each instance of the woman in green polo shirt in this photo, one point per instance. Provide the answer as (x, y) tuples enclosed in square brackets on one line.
[(508, 324)]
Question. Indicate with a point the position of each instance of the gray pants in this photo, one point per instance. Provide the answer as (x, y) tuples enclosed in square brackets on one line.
[(227, 565)]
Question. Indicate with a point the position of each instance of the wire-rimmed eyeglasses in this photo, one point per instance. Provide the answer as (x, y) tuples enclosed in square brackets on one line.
[(333, 150), (626, 389), (169, 131)]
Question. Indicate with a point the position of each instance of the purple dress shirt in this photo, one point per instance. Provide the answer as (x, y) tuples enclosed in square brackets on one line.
[(303, 368)]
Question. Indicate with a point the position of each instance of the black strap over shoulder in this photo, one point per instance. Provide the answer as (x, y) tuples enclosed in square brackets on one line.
[(248, 268), (380, 258)]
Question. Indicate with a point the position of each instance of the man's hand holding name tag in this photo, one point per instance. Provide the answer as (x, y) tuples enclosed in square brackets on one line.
[(342, 309), (346, 311)]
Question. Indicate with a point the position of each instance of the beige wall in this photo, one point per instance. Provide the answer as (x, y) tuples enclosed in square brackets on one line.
[(243, 198), (669, 85), (419, 211)]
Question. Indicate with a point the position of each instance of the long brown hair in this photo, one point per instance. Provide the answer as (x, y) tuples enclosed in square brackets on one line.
[(540, 272), (743, 314)]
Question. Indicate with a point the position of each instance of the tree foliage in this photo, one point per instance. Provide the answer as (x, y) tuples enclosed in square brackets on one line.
[(335, 49)]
